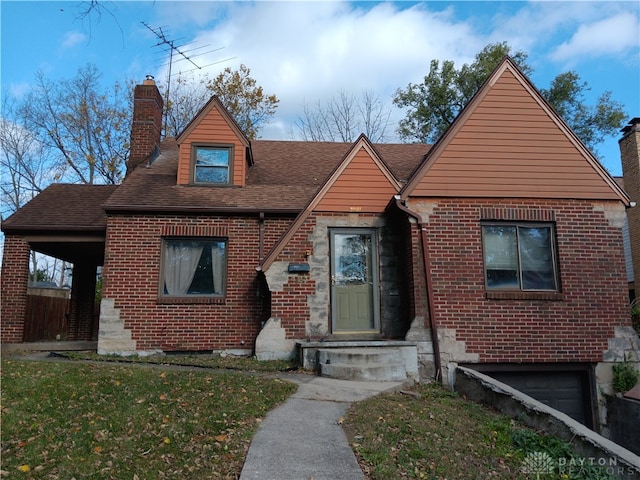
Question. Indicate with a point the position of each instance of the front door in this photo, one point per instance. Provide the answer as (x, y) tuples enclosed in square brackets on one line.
[(354, 281)]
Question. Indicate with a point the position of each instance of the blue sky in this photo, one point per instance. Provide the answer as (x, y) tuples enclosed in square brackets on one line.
[(308, 51)]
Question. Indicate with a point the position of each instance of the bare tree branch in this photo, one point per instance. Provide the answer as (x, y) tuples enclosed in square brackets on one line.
[(344, 117)]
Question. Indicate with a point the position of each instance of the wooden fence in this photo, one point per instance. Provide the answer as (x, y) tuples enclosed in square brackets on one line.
[(46, 315)]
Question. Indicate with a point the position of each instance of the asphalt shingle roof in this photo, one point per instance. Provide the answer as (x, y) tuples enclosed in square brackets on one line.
[(63, 207), (285, 176)]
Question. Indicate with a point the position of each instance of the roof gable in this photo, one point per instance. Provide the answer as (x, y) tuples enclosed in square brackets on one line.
[(508, 142), (361, 182), (213, 125)]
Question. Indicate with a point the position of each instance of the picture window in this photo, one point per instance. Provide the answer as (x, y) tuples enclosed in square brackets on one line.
[(194, 268), (519, 257)]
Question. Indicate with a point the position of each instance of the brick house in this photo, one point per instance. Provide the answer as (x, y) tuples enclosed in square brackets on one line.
[(499, 247), (630, 155)]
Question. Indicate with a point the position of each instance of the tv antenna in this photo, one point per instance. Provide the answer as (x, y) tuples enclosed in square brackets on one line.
[(178, 50)]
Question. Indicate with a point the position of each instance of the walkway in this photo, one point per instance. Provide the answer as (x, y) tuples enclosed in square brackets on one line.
[(302, 439)]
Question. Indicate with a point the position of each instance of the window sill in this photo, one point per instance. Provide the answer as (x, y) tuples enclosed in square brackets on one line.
[(210, 184), (519, 295), (191, 300)]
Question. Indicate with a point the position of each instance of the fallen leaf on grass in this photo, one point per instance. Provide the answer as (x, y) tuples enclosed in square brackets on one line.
[(24, 468)]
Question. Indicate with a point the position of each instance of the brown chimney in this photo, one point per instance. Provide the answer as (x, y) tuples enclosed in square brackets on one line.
[(146, 128), (630, 154)]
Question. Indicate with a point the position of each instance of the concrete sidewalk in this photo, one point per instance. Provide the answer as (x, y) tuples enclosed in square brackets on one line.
[(302, 438)]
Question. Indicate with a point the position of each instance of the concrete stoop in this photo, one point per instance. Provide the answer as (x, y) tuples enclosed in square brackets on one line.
[(362, 364)]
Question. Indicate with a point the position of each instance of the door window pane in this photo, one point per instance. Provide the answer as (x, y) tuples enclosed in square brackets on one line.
[(353, 254)]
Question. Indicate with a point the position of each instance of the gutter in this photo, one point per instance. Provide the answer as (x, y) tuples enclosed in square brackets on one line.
[(427, 275), (97, 230), (114, 209), (261, 238)]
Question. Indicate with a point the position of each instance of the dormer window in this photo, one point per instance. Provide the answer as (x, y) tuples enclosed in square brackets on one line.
[(212, 164)]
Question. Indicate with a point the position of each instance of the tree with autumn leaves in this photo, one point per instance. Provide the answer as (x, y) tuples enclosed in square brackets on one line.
[(238, 91), (76, 131)]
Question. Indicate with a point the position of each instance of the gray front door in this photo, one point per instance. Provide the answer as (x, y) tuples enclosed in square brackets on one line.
[(354, 281)]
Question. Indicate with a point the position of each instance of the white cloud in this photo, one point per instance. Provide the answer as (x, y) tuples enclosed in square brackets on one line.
[(614, 35), (309, 51), (19, 90), (71, 39)]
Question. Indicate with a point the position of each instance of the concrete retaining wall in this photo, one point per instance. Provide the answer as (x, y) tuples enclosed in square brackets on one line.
[(594, 448)]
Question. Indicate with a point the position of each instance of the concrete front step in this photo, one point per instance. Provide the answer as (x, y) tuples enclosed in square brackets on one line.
[(359, 355), (362, 364)]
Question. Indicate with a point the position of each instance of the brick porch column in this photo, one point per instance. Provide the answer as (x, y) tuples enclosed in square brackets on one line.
[(13, 288)]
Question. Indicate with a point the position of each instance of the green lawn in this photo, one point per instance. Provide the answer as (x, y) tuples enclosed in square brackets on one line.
[(434, 434), (113, 420), (64, 420)]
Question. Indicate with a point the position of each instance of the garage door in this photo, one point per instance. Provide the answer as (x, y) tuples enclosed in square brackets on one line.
[(564, 391)]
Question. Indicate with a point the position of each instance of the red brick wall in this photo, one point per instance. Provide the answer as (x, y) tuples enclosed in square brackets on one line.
[(290, 304), (131, 278), (574, 328), (13, 288)]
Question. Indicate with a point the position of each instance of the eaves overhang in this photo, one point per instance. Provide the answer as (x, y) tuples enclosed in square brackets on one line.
[(55, 228)]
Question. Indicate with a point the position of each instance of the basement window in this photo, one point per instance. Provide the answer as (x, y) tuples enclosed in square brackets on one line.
[(212, 164), (193, 268), (519, 257)]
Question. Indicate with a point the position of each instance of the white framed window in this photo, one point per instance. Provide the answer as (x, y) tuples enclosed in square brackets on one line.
[(519, 257), (212, 164), (193, 267)]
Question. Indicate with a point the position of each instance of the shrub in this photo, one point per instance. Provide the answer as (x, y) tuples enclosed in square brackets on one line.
[(625, 376)]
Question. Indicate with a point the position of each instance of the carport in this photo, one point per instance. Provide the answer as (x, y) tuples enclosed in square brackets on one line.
[(67, 222)]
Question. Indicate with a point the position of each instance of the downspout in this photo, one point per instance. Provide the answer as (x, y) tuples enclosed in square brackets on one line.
[(427, 276), (260, 238)]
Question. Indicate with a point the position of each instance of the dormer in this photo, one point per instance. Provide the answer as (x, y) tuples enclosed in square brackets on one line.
[(213, 149)]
